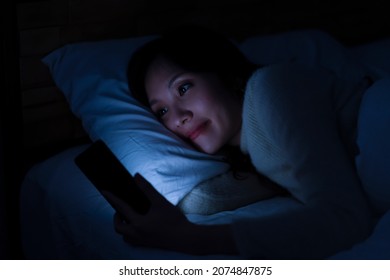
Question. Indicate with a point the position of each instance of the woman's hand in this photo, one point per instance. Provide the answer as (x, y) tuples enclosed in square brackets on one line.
[(159, 227), (165, 226)]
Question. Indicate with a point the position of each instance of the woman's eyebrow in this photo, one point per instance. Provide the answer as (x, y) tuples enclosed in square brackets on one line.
[(174, 78), (153, 102)]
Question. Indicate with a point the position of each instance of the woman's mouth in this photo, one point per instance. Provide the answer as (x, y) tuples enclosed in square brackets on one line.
[(197, 131)]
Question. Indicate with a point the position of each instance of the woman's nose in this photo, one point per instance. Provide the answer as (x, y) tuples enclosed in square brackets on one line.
[(182, 116)]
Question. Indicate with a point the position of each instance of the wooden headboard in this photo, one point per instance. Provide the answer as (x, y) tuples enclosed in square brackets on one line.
[(42, 116)]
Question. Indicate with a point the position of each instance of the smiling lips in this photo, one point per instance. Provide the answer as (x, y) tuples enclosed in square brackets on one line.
[(197, 131)]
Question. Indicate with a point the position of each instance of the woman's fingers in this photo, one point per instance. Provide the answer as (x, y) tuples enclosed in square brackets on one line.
[(127, 230), (120, 224), (125, 211)]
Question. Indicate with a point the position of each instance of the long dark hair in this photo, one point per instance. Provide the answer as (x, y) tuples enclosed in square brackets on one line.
[(196, 49)]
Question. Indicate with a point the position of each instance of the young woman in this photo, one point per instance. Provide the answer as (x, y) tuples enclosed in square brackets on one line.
[(296, 124)]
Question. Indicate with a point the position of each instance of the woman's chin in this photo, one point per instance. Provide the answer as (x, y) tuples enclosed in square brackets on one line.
[(206, 149)]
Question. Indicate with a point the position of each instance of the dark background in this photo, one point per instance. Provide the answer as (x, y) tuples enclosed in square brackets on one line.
[(352, 22)]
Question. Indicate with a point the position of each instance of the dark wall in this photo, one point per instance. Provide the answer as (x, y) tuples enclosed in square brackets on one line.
[(10, 135), (4, 250)]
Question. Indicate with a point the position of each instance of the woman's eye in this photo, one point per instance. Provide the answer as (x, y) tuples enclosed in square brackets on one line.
[(160, 113), (183, 89)]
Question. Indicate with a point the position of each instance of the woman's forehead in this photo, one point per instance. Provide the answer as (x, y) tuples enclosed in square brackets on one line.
[(161, 67)]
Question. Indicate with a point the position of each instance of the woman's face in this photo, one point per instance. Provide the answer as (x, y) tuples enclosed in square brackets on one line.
[(195, 106)]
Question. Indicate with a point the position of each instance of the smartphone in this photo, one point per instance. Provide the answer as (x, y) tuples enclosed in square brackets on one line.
[(107, 173)]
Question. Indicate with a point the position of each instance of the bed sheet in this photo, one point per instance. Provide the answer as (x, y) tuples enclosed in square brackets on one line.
[(64, 217)]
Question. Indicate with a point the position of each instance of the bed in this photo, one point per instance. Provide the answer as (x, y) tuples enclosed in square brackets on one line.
[(73, 82)]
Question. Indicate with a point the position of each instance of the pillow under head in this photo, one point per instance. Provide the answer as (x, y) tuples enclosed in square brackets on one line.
[(92, 77)]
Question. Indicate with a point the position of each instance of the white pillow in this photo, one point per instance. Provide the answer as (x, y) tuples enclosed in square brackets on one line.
[(92, 76)]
